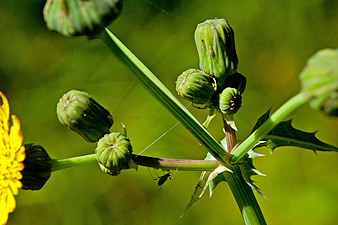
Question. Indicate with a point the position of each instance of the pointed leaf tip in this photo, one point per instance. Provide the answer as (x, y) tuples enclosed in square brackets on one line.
[(284, 134)]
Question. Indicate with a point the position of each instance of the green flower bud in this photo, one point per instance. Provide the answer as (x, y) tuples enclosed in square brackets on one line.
[(216, 47), (196, 86), (230, 101), (319, 81), (80, 17), (237, 81), (82, 114), (330, 105), (38, 167), (114, 153)]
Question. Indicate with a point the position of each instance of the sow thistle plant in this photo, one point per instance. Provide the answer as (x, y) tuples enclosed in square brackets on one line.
[(215, 85)]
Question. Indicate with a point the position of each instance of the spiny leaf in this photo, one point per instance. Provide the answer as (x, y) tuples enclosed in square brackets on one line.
[(198, 190), (248, 170), (212, 179), (219, 170), (286, 135), (199, 186), (213, 184)]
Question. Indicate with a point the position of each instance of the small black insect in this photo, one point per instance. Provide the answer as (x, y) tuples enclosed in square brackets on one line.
[(162, 179)]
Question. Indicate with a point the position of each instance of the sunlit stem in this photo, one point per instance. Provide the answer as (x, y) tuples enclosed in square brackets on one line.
[(242, 192), (176, 164), (158, 90), (245, 197), (59, 164), (267, 126), (158, 163)]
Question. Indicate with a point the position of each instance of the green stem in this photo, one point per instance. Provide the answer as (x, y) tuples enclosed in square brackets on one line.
[(176, 164), (158, 163), (267, 126), (245, 197), (230, 136), (60, 164), (163, 95), (243, 194)]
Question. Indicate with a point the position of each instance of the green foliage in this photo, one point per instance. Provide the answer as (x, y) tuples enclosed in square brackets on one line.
[(212, 179), (286, 135), (200, 186), (38, 66)]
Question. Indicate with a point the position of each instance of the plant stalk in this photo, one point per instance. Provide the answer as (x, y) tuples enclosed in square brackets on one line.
[(158, 163), (244, 196), (60, 164), (163, 95), (267, 126), (230, 136)]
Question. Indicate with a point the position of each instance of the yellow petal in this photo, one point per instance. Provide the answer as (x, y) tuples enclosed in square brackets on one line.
[(4, 111), (3, 217), (7, 200), (15, 135), (20, 155), (15, 185), (11, 204)]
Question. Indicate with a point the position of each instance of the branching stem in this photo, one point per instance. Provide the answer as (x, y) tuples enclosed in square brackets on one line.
[(242, 192), (158, 163), (267, 126)]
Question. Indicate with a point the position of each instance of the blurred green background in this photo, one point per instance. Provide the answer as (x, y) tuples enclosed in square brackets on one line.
[(273, 40)]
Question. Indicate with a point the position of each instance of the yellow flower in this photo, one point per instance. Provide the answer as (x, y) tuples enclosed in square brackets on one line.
[(12, 153)]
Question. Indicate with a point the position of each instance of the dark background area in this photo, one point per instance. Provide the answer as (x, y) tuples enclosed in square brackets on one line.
[(274, 39)]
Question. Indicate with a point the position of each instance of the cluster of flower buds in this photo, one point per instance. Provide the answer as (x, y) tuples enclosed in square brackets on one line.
[(82, 114), (77, 17), (216, 84)]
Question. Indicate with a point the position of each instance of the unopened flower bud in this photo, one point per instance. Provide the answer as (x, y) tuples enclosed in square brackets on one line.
[(216, 47), (196, 86), (230, 101), (114, 153), (38, 167), (79, 17), (81, 113), (237, 81), (319, 81)]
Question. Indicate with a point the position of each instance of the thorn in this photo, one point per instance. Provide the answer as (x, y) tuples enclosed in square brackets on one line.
[(124, 129)]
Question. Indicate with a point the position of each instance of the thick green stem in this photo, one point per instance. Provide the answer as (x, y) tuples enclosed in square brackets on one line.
[(245, 197), (158, 163), (267, 126), (163, 95), (176, 164), (243, 194)]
